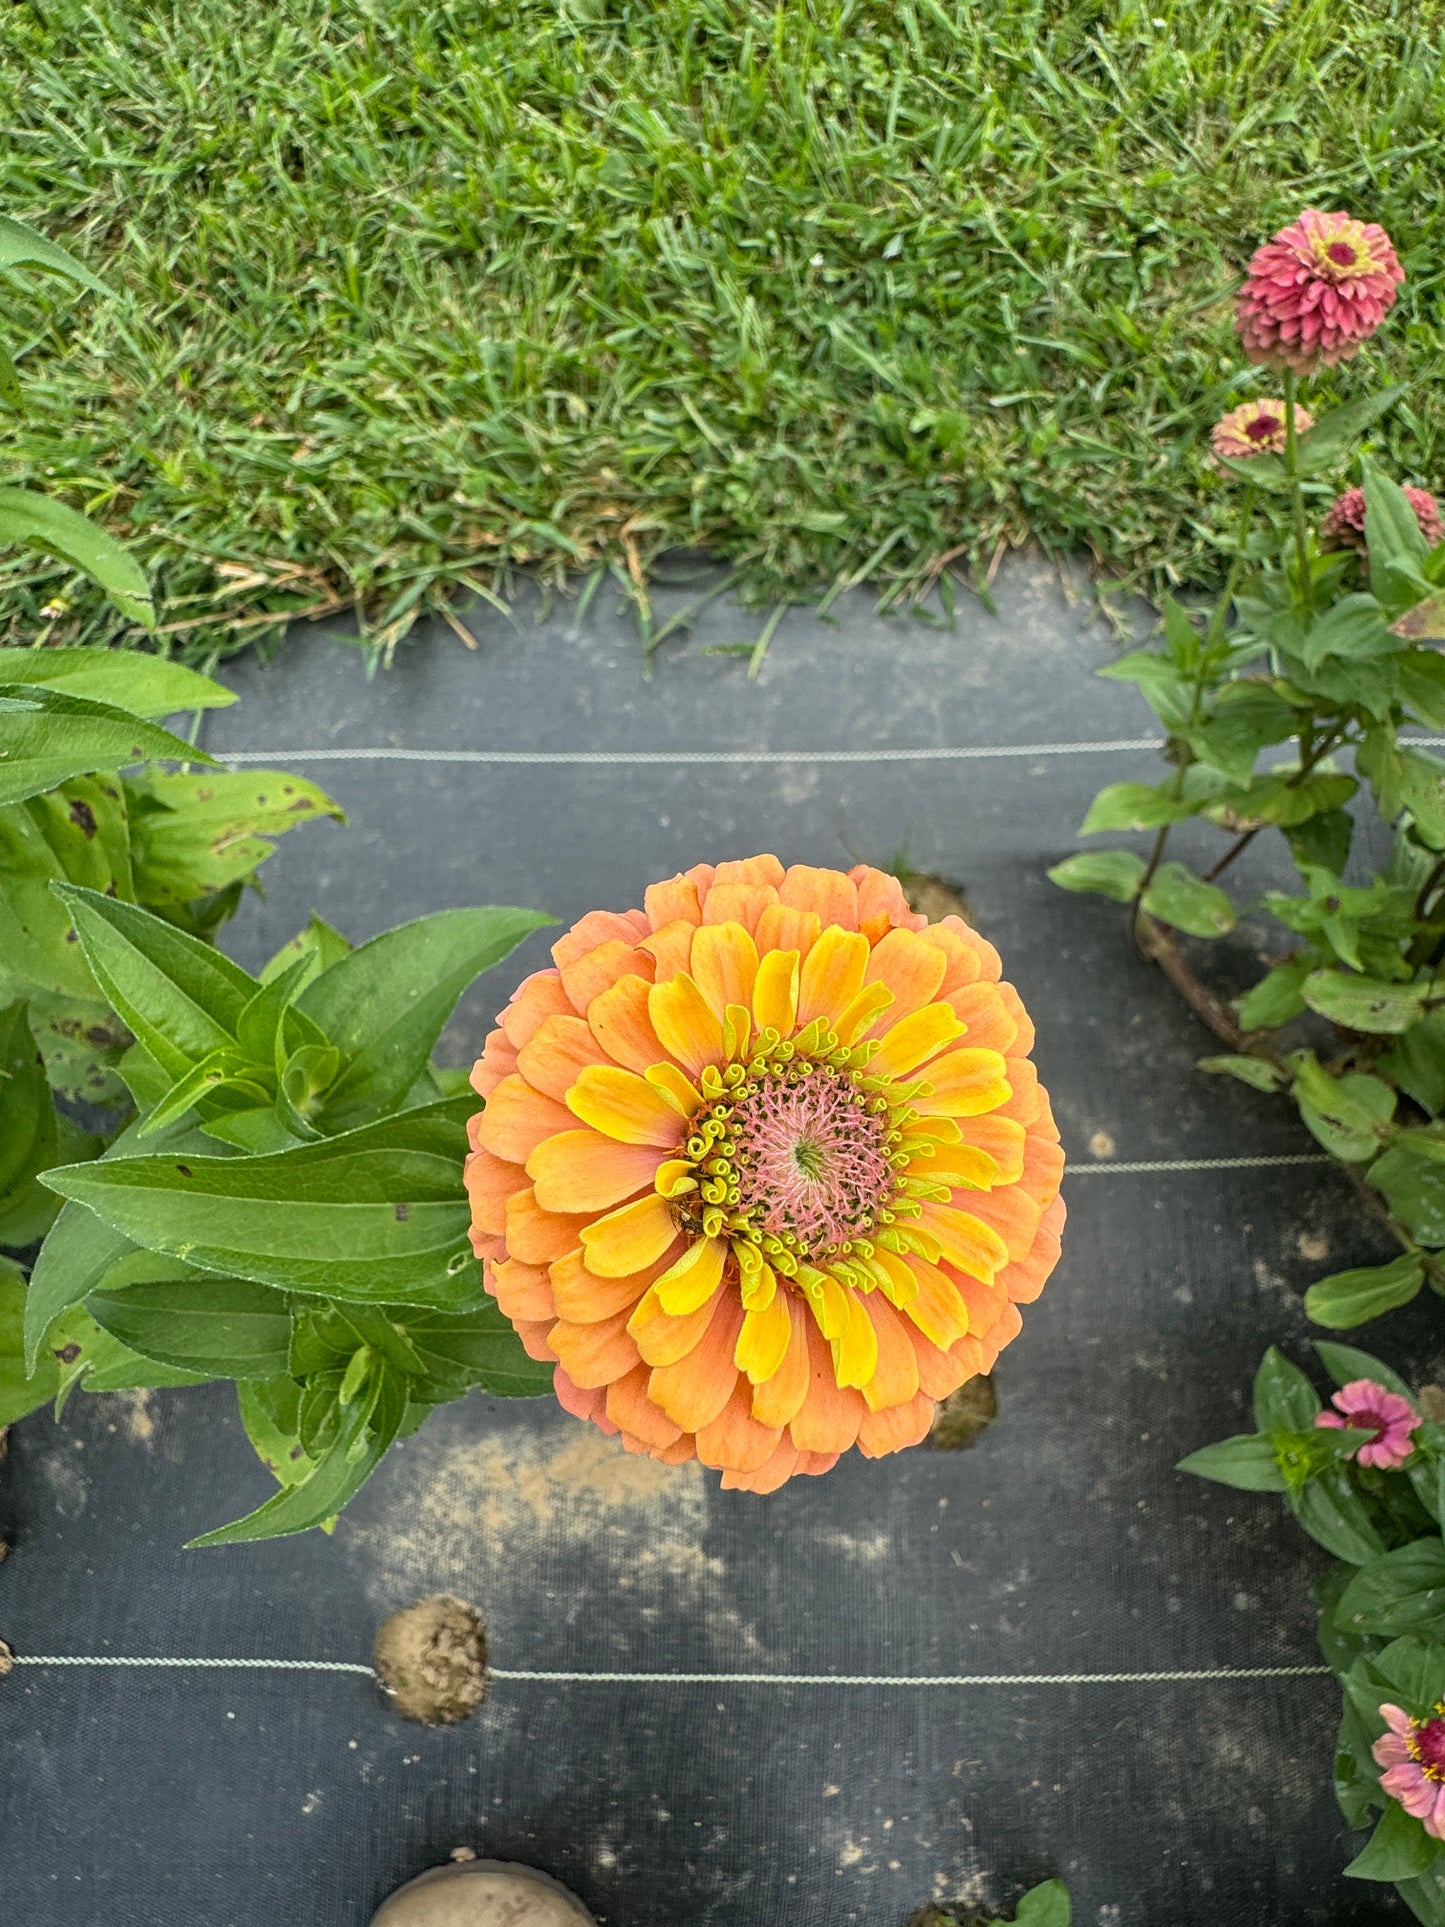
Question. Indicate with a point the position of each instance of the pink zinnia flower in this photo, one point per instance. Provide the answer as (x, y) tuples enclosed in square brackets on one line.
[(1413, 1754), (1367, 1406), (1256, 428), (1316, 291), (1343, 523)]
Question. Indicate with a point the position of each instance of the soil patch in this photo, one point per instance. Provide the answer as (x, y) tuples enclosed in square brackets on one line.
[(432, 1659), (935, 898), (963, 1415)]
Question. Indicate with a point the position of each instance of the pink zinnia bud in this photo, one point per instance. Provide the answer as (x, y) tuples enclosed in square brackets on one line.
[(1343, 523), (1316, 291), (1413, 1755), (1367, 1407), (1256, 428)]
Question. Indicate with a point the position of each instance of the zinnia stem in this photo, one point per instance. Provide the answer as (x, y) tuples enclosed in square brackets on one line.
[(1291, 462)]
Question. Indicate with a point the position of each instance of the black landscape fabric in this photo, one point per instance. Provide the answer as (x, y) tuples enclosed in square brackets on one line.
[(1062, 1543)]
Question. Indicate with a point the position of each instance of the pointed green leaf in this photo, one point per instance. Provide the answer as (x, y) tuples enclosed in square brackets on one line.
[(1257, 1072), (1353, 1297), (1284, 1399), (318, 944), (1398, 1849), (1176, 897), (1400, 1592), (21, 1390), (1275, 999), (47, 735), (1414, 1189), (1333, 1514), (129, 679), (1135, 806), (22, 247), (1248, 1462), (209, 829), (478, 1348), (1345, 1363), (1106, 873), (1364, 1003), (33, 521), (1330, 438), (224, 1327)]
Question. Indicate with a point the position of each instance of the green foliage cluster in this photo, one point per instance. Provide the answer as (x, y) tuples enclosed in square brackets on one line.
[(282, 1202), (1382, 1603), (410, 289)]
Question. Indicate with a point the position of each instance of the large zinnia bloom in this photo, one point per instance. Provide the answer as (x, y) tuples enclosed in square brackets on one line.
[(1342, 525), (1316, 290), (1373, 1408), (765, 1167), (1413, 1755)]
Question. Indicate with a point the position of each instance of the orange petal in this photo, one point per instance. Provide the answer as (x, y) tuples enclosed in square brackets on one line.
[(559, 1050), (829, 1417), (578, 1171), (539, 997), (778, 1399), (582, 1298), (769, 1477), (913, 1041), (523, 1291), (498, 1060), (938, 1310), (966, 1243), (673, 902), (961, 960), (690, 1030), (619, 1021), (896, 1428), (740, 903), (663, 1339), (985, 1305), (734, 1440), (517, 1119), (594, 1354), (1043, 1168), (966, 1083), (625, 1107), (985, 1016), (601, 968), (938, 1373), (1011, 1212), (880, 894), (490, 1182), (630, 1238), (590, 1405), (1026, 1100), (1014, 1005), (764, 869), (695, 1390), (832, 973), (911, 969), (595, 929), (669, 948), (895, 1377), (780, 928), (775, 992), (1005, 1331), (828, 892), (989, 964), (633, 1412), (764, 1339), (533, 1335), (1024, 1281), (537, 1236), (1003, 1140), (724, 964)]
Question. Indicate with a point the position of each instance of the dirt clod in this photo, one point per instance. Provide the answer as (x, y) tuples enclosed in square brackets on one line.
[(963, 1415), (432, 1659), (463, 1854), (7, 1659), (1431, 1401), (935, 898)]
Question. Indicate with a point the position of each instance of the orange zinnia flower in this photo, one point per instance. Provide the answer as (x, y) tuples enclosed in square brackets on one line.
[(765, 1168)]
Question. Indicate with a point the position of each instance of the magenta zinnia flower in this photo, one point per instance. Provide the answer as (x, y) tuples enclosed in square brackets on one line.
[(1413, 1754), (1367, 1406), (1343, 523), (1256, 428), (1316, 291)]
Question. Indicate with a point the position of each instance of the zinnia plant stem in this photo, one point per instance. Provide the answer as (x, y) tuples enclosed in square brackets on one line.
[(1291, 462)]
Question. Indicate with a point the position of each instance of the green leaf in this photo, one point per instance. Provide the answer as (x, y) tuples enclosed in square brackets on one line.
[(22, 247), (1353, 629), (210, 829), (1044, 1906), (1168, 694), (383, 1005), (21, 1391), (1401, 1592), (1275, 999), (27, 1127), (1399, 1848), (1257, 1072), (377, 1214), (47, 735), (1356, 1778), (1346, 1114), (1392, 528), (10, 393), (318, 944), (1135, 806), (368, 1426), (129, 679), (1177, 897), (1345, 1363), (1365, 1003), (1282, 798), (1329, 439), (271, 1413), (224, 1327), (1245, 717), (1105, 873), (477, 1348), (81, 1041), (77, 833), (33, 521), (1417, 1062), (1247, 1461), (180, 996), (1323, 841), (1352, 1297), (1284, 1399), (1333, 1514), (1414, 1189)]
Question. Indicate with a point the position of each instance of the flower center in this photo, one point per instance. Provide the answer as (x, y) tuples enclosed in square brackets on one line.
[(1427, 1743), (811, 1159), (1341, 253), (1341, 256), (1262, 427)]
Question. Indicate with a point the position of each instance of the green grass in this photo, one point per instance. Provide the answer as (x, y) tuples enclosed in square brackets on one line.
[(409, 293)]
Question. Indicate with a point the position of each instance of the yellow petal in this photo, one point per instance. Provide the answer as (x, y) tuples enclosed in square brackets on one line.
[(724, 964), (763, 1341), (900, 1285), (689, 1029), (684, 1099), (737, 1031), (956, 1165), (872, 1000), (828, 1299), (963, 1240), (663, 1339), (694, 1278), (965, 1083), (832, 974), (775, 993), (915, 1039), (674, 1178), (624, 1106), (627, 1240), (758, 1281), (937, 1306), (855, 1353)]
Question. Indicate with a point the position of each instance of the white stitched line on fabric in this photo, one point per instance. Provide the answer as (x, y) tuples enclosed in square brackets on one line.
[(635, 756), (1196, 1164), (711, 1679)]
